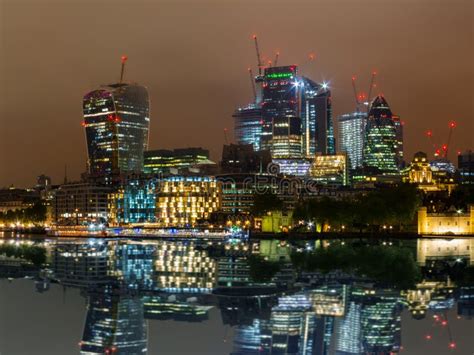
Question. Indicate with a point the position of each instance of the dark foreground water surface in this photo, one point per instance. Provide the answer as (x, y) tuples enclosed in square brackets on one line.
[(263, 297)]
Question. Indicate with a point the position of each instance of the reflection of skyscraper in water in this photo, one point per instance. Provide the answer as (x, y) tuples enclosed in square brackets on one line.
[(114, 324), (180, 267), (381, 323), (81, 265), (133, 264), (349, 334), (292, 324)]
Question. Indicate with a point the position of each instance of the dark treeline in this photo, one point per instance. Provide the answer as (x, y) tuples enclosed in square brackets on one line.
[(396, 207), (31, 253), (387, 265), (33, 214)]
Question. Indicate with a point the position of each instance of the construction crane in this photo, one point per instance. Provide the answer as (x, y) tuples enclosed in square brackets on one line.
[(277, 54), (360, 96), (259, 60), (123, 60), (372, 85), (452, 125), (252, 82), (225, 136)]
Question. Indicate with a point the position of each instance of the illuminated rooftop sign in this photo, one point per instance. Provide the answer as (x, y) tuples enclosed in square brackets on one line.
[(279, 75)]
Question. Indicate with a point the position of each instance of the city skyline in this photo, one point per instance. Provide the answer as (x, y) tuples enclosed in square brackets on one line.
[(417, 67)]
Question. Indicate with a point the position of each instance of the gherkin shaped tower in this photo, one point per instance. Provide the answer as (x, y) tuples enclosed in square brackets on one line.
[(381, 145)]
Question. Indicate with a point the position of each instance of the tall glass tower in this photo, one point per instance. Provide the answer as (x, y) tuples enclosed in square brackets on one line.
[(248, 125), (281, 131), (316, 118), (116, 120), (381, 146), (352, 136)]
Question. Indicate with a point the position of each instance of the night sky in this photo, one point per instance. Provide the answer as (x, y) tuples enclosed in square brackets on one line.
[(193, 57)]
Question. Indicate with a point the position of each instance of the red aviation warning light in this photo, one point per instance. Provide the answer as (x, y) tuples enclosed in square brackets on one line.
[(123, 59), (429, 133), (452, 124), (452, 345), (428, 337)]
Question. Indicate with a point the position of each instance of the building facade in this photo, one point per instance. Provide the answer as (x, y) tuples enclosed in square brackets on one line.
[(352, 136), (466, 167), (116, 121), (381, 145), (248, 125), (184, 200), (163, 161)]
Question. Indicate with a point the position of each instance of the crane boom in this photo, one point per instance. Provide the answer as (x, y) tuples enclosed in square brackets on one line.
[(355, 90), (123, 60), (452, 125), (276, 59), (259, 60), (372, 84), (252, 81)]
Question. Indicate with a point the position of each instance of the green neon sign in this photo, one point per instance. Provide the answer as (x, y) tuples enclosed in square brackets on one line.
[(279, 75)]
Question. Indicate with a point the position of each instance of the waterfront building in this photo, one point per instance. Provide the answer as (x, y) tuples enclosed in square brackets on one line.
[(248, 125), (134, 201), (233, 271), (453, 222), (164, 161), (381, 147), (277, 221), (81, 203), (13, 199), (184, 200), (116, 121), (330, 169), (352, 136), (466, 167)]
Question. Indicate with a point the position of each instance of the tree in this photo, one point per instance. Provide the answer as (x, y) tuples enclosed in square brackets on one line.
[(266, 202)]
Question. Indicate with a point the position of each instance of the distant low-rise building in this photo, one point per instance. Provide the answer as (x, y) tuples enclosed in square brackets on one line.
[(466, 167), (449, 223), (163, 161), (81, 203), (330, 169)]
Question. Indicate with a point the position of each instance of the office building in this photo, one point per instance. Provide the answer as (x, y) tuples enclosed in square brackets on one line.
[(466, 167), (317, 129), (330, 169), (116, 121), (381, 150), (352, 136), (164, 161), (243, 158), (248, 125), (81, 203), (185, 200)]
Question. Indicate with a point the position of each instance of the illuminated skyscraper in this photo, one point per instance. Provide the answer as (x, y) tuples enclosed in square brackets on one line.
[(248, 125), (317, 130), (291, 116), (352, 136), (281, 131), (116, 119), (381, 146)]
